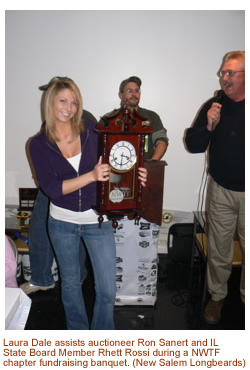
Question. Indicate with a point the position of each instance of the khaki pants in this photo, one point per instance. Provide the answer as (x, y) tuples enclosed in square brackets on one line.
[(226, 214)]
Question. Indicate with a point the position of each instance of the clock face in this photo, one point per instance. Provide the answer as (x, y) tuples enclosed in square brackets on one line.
[(122, 156)]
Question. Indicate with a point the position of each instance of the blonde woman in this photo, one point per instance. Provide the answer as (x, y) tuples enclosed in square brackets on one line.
[(65, 157)]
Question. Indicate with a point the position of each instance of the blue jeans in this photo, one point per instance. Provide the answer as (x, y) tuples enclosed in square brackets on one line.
[(101, 247), (40, 248), (41, 252)]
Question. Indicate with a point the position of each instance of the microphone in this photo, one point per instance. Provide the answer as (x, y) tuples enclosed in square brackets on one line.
[(219, 96)]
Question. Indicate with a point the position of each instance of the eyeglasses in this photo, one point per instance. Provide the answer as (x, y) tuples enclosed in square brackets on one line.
[(129, 91), (229, 73)]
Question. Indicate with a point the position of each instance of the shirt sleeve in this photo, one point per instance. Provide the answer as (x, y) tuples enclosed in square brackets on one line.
[(198, 136), (159, 132), (46, 176), (160, 135)]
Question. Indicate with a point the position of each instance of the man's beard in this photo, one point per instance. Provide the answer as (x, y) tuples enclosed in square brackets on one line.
[(133, 103)]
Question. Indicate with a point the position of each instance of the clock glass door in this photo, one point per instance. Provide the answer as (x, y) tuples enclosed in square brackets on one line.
[(121, 186)]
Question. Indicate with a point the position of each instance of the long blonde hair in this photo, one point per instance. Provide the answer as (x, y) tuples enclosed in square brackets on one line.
[(76, 121)]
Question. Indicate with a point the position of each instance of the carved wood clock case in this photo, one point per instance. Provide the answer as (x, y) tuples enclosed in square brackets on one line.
[(121, 145)]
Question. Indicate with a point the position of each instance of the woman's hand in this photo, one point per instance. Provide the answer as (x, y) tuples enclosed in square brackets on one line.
[(143, 174), (101, 171)]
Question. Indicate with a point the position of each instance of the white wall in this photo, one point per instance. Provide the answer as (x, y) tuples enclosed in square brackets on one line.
[(175, 53)]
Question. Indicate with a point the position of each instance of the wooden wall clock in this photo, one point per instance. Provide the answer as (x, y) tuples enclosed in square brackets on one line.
[(121, 145)]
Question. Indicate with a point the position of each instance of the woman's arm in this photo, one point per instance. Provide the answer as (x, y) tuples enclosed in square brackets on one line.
[(99, 173)]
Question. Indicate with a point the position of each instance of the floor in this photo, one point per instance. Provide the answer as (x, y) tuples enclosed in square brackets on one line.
[(177, 306)]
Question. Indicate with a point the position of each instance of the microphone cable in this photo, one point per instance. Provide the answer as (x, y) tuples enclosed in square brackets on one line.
[(203, 185), (201, 196)]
